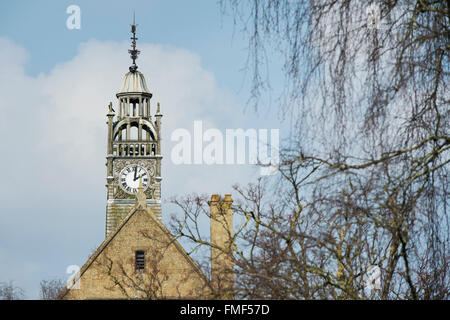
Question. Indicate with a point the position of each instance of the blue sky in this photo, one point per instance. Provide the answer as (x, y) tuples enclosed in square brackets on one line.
[(198, 26), (55, 85)]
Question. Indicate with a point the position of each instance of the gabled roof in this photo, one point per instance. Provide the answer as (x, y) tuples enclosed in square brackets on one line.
[(138, 209)]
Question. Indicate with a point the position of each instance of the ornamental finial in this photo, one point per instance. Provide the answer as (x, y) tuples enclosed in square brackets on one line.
[(141, 199), (133, 52)]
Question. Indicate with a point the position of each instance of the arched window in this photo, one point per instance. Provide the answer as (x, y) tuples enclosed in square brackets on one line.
[(146, 131)]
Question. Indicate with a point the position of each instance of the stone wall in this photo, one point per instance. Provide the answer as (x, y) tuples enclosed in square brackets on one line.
[(169, 272)]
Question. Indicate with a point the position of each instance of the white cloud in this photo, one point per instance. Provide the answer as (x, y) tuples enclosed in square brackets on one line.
[(54, 146)]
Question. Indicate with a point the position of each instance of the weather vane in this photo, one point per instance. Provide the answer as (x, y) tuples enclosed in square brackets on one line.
[(133, 52)]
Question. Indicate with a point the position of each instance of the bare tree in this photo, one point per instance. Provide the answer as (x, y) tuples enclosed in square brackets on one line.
[(8, 291), (364, 178), (132, 284), (322, 246), (363, 181), (51, 288)]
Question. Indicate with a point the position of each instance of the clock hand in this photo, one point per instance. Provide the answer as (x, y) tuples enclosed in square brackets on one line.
[(135, 173), (140, 176), (137, 177)]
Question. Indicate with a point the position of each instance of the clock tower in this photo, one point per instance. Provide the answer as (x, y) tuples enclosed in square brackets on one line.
[(134, 147)]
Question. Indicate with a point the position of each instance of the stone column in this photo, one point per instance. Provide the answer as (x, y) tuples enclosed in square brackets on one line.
[(110, 116), (158, 117), (147, 148)]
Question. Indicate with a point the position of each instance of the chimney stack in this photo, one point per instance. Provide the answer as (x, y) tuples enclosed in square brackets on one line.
[(222, 265)]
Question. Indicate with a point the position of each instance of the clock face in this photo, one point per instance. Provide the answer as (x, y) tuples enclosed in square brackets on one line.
[(130, 176)]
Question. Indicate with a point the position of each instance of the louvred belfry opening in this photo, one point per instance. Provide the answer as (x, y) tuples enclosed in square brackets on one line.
[(139, 260)]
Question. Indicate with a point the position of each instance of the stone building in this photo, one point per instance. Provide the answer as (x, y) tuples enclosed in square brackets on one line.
[(139, 258)]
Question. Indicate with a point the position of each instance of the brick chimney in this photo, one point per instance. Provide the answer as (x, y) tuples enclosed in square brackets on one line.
[(222, 266)]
